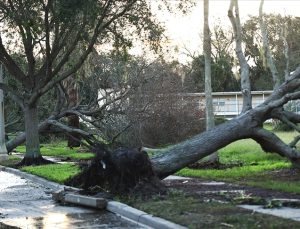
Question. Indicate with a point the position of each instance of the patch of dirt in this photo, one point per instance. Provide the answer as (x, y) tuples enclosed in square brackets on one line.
[(205, 190), (292, 174), (33, 161), (213, 165)]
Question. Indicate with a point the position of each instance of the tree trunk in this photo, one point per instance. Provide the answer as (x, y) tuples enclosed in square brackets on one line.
[(245, 80), (32, 133), (73, 139), (200, 146), (73, 120), (209, 113), (33, 154), (21, 138), (266, 48), (3, 150), (247, 125)]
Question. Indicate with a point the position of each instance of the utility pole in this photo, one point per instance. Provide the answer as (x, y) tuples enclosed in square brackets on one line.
[(3, 150)]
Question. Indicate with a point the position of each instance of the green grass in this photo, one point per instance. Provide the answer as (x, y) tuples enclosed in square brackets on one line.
[(255, 163), (55, 172), (268, 182), (59, 150), (233, 174)]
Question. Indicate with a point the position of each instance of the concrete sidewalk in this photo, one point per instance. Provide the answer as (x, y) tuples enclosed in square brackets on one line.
[(29, 205)]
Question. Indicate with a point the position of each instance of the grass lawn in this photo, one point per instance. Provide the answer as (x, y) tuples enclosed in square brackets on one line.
[(256, 164), (55, 172), (194, 213), (59, 150)]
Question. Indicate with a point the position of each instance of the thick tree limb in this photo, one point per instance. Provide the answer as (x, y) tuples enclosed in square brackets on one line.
[(13, 94), (273, 144), (180, 155), (68, 129)]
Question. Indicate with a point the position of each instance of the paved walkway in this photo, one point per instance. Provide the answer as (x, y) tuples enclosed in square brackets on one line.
[(28, 205)]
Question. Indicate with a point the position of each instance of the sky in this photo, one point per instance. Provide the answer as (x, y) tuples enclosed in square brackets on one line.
[(184, 31)]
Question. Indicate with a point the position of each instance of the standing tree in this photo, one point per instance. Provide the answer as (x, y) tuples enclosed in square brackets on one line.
[(45, 34), (266, 48), (209, 113), (3, 150), (245, 80)]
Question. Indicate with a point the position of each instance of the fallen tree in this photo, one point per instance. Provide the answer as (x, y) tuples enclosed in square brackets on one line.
[(133, 166), (125, 170), (247, 125), (129, 165)]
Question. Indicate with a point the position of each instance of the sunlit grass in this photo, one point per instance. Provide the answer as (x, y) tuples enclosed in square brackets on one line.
[(55, 172), (235, 173)]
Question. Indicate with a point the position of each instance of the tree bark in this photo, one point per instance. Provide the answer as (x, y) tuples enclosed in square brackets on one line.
[(3, 150), (73, 120), (32, 133), (200, 146)]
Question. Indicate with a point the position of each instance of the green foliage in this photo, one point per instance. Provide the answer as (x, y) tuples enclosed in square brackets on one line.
[(277, 26), (55, 172), (223, 78)]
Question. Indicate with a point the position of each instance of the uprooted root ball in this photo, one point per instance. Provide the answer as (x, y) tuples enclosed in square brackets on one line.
[(124, 171)]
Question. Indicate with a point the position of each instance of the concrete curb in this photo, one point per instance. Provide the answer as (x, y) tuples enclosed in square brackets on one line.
[(121, 209), (140, 216)]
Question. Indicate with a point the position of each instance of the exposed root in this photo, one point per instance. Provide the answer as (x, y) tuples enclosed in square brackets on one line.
[(124, 171)]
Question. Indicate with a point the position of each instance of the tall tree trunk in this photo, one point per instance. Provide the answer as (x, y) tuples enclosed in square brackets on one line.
[(245, 80), (33, 154), (73, 120), (21, 138), (3, 150), (266, 48), (209, 113), (286, 51)]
